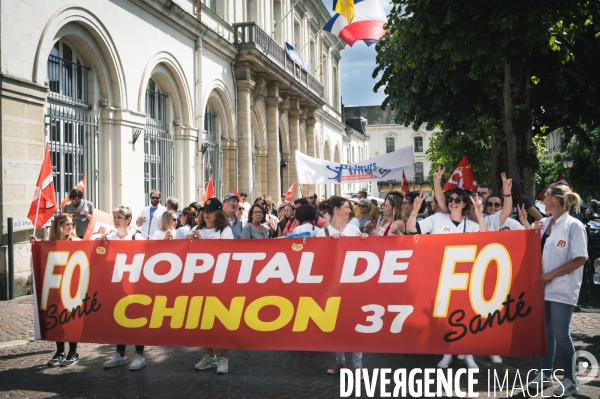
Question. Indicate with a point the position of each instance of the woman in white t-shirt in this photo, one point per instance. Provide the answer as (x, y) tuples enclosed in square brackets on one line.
[(167, 226), (459, 202), (213, 223), (121, 220), (339, 210), (188, 221), (305, 219), (564, 252)]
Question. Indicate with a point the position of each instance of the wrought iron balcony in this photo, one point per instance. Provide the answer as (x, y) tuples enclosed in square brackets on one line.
[(248, 35)]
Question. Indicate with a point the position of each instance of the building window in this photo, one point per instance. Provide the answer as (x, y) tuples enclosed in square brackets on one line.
[(390, 145), (393, 117), (212, 156), (159, 145), (418, 144), (419, 178), (72, 131)]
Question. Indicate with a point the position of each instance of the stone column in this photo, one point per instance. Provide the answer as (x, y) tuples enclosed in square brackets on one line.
[(244, 130), (273, 158), (311, 142), (294, 121)]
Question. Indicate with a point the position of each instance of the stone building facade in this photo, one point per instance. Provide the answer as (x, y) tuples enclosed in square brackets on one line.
[(160, 94)]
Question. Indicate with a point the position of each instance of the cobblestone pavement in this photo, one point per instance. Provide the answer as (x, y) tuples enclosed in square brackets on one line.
[(170, 371)]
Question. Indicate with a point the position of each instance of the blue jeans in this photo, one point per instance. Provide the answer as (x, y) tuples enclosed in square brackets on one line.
[(558, 319)]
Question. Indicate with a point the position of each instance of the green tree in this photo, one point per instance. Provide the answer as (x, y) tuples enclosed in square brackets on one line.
[(585, 175), (453, 63)]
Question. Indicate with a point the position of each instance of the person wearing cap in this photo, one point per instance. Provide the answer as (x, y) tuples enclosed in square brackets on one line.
[(212, 224), (230, 206)]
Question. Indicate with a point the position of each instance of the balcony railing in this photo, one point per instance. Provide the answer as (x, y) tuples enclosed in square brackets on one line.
[(248, 35)]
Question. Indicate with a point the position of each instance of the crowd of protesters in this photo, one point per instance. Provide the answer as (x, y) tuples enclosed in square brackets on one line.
[(456, 211)]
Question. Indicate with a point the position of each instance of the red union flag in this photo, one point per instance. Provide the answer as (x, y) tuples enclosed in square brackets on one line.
[(209, 192), (472, 293), (559, 180), (462, 177), (405, 189), (80, 186), (290, 192), (43, 205)]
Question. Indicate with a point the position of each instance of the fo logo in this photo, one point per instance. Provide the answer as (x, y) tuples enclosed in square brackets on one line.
[(586, 362), (561, 244)]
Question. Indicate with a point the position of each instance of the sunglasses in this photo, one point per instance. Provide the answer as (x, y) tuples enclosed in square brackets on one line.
[(155, 198), (494, 204), (363, 206), (174, 219), (456, 200), (240, 209)]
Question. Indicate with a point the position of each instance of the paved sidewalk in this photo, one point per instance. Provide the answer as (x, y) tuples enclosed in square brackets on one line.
[(170, 371)]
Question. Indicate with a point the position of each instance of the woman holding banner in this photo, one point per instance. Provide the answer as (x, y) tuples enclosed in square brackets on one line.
[(122, 219), (62, 229), (564, 251), (339, 209), (167, 226), (213, 223), (392, 223), (459, 203)]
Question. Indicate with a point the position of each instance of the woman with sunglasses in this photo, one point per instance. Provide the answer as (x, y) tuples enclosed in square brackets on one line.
[(459, 202), (339, 210), (167, 227), (364, 209), (62, 229), (255, 227), (213, 223), (392, 222), (188, 221)]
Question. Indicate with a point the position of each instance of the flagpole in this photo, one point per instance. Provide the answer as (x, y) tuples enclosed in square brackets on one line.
[(37, 211)]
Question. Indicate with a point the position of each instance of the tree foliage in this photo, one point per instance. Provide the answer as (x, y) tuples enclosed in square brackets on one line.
[(524, 68), (585, 175)]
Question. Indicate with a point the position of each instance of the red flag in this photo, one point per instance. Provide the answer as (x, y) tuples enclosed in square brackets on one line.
[(559, 180), (80, 186), (290, 192), (462, 177), (209, 192), (405, 189), (236, 192), (43, 205)]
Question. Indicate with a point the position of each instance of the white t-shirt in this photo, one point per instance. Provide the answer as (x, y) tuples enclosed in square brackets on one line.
[(493, 223), (159, 235), (349, 231), (129, 236), (214, 234), (566, 242), (440, 223), (182, 232), (355, 222), (307, 227)]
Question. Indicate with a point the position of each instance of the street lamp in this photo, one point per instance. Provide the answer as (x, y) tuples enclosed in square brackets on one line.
[(568, 164)]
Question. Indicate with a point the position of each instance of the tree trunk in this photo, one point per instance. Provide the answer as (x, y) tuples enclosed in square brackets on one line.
[(498, 158), (522, 160)]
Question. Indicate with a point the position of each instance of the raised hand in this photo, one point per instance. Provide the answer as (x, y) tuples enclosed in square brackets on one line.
[(437, 176), (418, 201), (477, 205), (368, 227), (506, 184)]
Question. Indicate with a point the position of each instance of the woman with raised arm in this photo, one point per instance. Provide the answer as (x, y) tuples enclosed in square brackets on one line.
[(339, 210), (167, 226), (564, 252), (459, 202), (213, 223), (62, 229), (392, 223)]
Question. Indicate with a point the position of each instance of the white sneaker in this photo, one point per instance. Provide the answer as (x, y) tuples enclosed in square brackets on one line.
[(470, 362), (116, 361), (206, 363), (223, 366), (445, 362), (460, 357), (568, 388), (496, 359), (538, 378), (138, 362)]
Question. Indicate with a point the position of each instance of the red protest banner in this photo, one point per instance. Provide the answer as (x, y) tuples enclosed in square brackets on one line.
[(100, 224), (458, 293)]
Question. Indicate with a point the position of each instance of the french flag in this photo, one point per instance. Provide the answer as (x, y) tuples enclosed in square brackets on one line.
[(357, 20)]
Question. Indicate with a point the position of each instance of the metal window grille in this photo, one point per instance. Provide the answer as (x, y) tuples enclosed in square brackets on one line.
[(73, 136), (212, 157), (390, 145), (418, 144), (159, 148), (419, 178), (68, 81)]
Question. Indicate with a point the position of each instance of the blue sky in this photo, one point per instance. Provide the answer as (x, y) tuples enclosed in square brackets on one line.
[(356, 68)]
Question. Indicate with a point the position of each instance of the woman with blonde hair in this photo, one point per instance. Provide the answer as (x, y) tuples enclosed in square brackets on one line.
[(62, 229), (564, 252), (393, 220), (167, 226)]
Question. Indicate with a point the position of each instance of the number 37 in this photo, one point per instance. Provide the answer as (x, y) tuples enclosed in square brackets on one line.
[(378, 311)]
